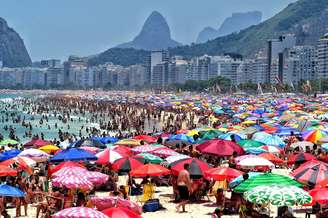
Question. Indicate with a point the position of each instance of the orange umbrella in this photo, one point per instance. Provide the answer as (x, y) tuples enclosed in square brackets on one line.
[(6, 171), (150, 170)]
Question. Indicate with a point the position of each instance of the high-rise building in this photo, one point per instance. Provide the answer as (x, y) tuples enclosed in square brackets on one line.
[(55, 63), (276, 48), (73, 64), (155, 58), (322, 58), (55, 77)]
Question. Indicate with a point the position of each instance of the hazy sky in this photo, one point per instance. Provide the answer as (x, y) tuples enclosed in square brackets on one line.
[(58, 28)]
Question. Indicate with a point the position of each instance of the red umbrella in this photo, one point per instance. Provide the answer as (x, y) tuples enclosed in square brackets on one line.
[(299, 158), (223, 173), (108, 156), (319, 195), (311, 173), (271, 157), (196, 169), (6, 171), (123, 150), (126, 164), (120, 213), (146, 138), (150, 170), (37, 143), (220, 147)]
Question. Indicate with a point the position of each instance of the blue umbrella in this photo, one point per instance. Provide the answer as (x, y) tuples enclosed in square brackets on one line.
[(9, 154), (240, 179), (10, 191), (73, 154), (181, 137), (106, 140), (255, 151)]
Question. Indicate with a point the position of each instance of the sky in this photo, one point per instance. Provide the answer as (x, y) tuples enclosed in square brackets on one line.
[(59, 28)]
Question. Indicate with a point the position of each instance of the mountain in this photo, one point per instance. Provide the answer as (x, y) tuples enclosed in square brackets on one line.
[(235, 23), (155, 35), (12, 49), (307, 19)]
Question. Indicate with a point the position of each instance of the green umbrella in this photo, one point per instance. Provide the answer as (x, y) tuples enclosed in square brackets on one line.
[(211, 134), (248, 143), (266, 179), (278, 195), (151, 158), (8, 141)]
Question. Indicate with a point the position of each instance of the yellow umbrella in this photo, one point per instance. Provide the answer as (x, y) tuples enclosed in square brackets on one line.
[(49, 148), (192, 132), (131, 142)]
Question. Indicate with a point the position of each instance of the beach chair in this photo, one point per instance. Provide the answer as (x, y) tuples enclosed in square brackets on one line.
[(148, 193)]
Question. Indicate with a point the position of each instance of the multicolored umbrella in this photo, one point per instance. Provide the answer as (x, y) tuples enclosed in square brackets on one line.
[(146, 148), (266, 179), (164, 152), (150, 158), (172, 159), (6, 171), (107, 156), (79, 212), (272, 158), (220, 147), (150, 170), (271, 149), (126, 164), (235, 182), (35, 154), (299, 158), (302, 144), (120, 213), (72, 182), (222, 173), (314, 135), (278, 195)]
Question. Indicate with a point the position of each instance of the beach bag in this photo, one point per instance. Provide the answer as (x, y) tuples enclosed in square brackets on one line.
[(151, 205)]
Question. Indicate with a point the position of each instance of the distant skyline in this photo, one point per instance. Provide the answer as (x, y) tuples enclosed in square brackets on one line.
[(59, 28)]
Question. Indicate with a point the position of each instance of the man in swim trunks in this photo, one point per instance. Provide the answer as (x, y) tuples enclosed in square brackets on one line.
[(184, 187)]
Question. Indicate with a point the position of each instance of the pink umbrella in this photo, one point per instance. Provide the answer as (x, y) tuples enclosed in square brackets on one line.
[(144, 149), (92, 150), (71, 181), (67, 171), (95, 177), (102, 203), (79, 212)]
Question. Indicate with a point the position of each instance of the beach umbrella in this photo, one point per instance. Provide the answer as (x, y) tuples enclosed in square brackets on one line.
[(272, 158), (248, 143), (120, 213), (150, 158), (266, 179), (72, 182), (181, 137), (146, 138), (49, 148), (254, 151), (256, 161), (129, 142), (96, 178), (126, 164), (7, 171), (300, 157), (37, 143), (314, 135), (149, 170), (211, 134), (278, 195), (220, 147), (79, 212), (65, 144), (302, 144), (222, 173), (319, 195), (146, 148), (20, 163), (311, 173), (65, 164), (8, 142), (92, 150), (89, 143), (260, 136), (273, 140), (164, 152), (73, 154), (172, 159), (124, 151), (238, 136), (271, 149), (106, 140), (104, 202), (35, 154), (108, 156), (196, 167), (69, 170), (10, 191), (9, 154), (235, 182)]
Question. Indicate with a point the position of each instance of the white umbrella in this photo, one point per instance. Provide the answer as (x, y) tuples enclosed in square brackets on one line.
[(255, 162)]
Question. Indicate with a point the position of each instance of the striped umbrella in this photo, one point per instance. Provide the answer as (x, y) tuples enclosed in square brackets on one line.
[(72, 181), (150, 158), (146, 148), (278, 195), (172, 159), (271, 149), (79, 212), (302, 144), (164, 152), (314, 135), (299, 158), (126, 164), (120, 213), (271, 157), (311, 173), (266, 179), (196, 169), (107, 156)]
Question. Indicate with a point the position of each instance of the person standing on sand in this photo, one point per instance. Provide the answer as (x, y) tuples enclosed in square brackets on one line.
[(184, 188)]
